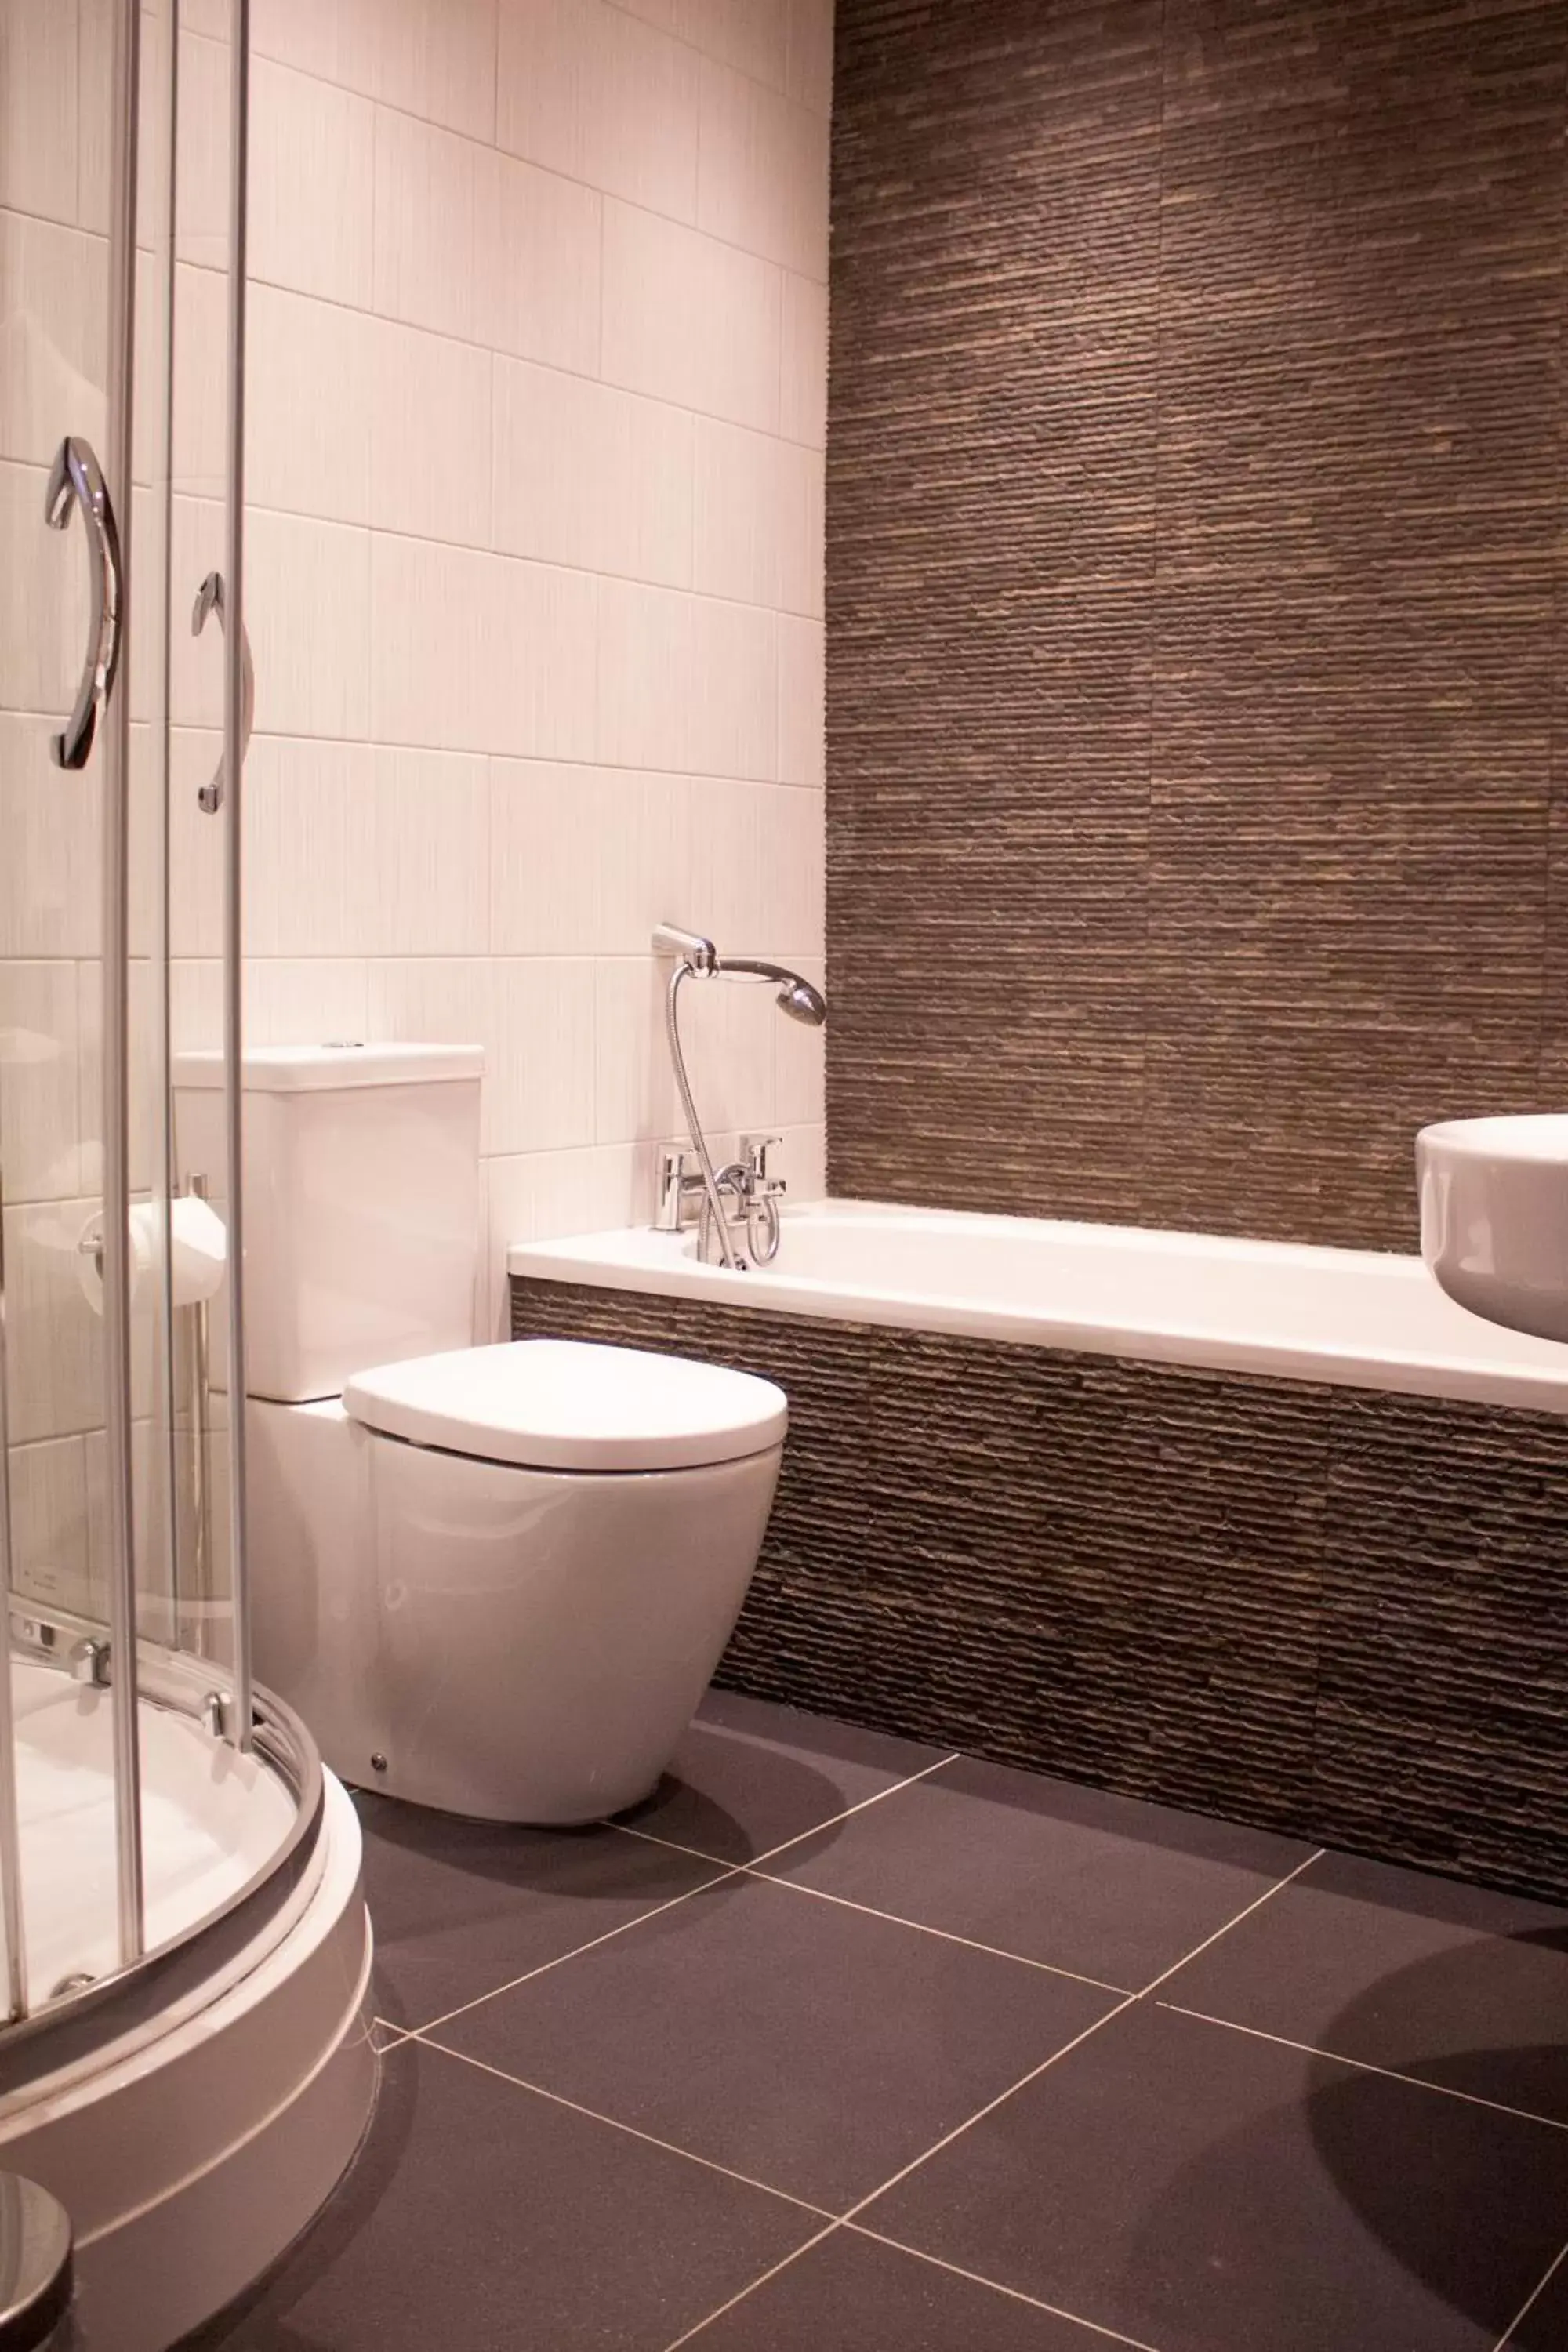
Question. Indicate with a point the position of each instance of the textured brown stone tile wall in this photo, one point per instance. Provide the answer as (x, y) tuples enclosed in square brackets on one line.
[(1197, 822), (1322, 1610)]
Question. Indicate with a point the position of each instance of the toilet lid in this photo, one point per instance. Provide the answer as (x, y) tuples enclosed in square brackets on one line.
[(559, 1404)]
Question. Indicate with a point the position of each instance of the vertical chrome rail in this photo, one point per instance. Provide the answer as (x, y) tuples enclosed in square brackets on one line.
[(235, 716), (10, 1828), (115, 946)]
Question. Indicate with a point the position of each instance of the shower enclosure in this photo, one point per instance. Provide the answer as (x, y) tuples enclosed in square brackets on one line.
[(156, 1811)]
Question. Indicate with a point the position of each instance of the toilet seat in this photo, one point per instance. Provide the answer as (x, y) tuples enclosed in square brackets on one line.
[(564, 1404)]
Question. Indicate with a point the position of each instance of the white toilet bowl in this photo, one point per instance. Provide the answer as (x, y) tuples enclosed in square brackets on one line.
[(498, 1580), (495, 1579)]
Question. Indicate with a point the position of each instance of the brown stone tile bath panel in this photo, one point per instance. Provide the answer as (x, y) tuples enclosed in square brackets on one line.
[(1330, 1611), (1444, 1639), (1196, 551)]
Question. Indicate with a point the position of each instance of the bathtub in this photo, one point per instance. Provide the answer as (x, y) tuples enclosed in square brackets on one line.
[(1270, 1532), (1357, 1318)]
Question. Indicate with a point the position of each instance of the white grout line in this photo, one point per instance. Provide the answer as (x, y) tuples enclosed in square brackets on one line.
[(755, 1861), (1528, 2305), (1015, 2294), (718, 1878), (631, 2131), (1267, 1896), (751, 2288), (991, 2106), (923, 1927), (1365, 2067)]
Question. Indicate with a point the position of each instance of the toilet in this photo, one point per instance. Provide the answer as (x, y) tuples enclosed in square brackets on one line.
[(492, 1580)]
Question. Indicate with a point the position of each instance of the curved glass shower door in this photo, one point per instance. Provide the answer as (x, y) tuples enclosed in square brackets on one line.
[(122, 281)]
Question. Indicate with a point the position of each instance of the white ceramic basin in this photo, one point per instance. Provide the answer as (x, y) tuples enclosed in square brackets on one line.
[(1494, 1217)]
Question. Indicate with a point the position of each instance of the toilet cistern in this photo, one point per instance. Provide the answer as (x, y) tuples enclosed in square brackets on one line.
[(689, 1184)]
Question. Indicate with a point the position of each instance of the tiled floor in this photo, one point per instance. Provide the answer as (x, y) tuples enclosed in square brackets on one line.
[(843, 2042)]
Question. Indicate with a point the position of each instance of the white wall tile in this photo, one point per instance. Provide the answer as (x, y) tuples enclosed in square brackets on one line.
[(42, 599), (50, 863), (730, 885), (584, 860), (752, 35), (477, 245), (662, 13), (197, 545), (538, 257), (758, 535), (54, 1340), (803, 749), (542, 1097), (39, 107), (427, 232), (762, 173), (428, 401), (54, 297), (634, 1094), (482, 653), (729, 1032), (308, 611), (325, 38), (300, 885), (313, 1000), (288, 1001), (50, 1554), (436, 58), (195, 843), (38, 1050), (689, 320), (802, 411), (541, 1195), (810, 54), (312, 386), (589, 475), (799, 1060), (145, 1083), (802, 1161), (461, 539), (201, 173), (199, 438), (686, 683), (602, 96), (312, 178), (418, 855)]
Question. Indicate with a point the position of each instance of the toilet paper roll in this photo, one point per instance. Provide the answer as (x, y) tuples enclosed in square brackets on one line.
[(198, 1253)]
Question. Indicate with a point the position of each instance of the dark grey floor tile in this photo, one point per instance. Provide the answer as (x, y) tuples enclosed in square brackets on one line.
[(807, 2045), (852, 2294), (1544, 2327), (480, 2216), (1448, 1983), (1198, 2187), (1081, 1879), (459, 1908), (748, 1774)]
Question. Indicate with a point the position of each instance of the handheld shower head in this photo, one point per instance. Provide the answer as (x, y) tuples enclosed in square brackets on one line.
[(795, 996), (802, 1002)]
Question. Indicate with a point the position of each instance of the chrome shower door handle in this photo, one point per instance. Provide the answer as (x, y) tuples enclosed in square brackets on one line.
[(210, 599), (78, 476)]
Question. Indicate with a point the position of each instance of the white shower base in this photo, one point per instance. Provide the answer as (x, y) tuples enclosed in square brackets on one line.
[(211, 1819)]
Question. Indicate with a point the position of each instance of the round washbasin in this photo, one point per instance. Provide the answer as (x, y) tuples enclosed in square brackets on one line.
[(1494, 1217)]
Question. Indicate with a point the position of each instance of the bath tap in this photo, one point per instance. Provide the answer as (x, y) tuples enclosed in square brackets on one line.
[(745, 1180)]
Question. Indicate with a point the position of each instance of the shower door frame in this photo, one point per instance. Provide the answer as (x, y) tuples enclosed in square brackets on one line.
[(132, 1665)]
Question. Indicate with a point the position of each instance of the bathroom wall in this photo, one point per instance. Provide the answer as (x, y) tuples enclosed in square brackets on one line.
[(1196, 783), (537, 388), (537, 391)]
